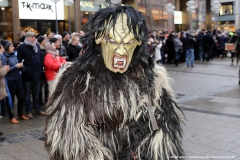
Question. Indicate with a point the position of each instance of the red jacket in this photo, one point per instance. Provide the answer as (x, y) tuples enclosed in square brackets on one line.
[(52, 65)]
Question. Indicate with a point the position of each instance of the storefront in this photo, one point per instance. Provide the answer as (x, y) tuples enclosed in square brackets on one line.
[(228, 18), (6, 25), (88, 8), (42, 15)]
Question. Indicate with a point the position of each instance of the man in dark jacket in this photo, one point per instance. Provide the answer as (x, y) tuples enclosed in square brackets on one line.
[(29, 53), (200, 44), (207, 45), (189, 46)]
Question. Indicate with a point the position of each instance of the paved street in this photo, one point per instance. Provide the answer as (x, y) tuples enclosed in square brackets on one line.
[(209, 95)]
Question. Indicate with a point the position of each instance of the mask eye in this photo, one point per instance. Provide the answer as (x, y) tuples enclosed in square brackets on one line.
[(130, 42), (112, 41)]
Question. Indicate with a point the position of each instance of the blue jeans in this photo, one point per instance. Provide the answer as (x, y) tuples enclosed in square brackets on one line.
[(177, 55), (34, 87), (190, 57)]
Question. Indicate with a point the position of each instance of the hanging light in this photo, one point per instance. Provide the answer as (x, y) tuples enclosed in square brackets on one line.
[(68, 3), (169, 8)]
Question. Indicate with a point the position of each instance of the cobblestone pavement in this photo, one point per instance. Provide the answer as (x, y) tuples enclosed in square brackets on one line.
[(208, 94)]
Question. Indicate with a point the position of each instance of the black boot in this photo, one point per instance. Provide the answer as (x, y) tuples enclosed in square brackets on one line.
[(176, 62), (1, 133)]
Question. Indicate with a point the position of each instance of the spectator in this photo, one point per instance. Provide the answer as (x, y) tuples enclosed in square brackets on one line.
[(21, 36), (3, 93), (177, 47), (3, 72), (30, 52), (189, 46), (222, 40), (43, 83), (207, 46), (49, 35), (60, 47), (73, 49), (52, 61), (14, 82), (233, 40), (66, 38), (200, 44), (170, 48)]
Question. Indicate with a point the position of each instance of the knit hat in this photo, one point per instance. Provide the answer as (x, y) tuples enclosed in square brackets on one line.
[(6, 47), (40, 39), (30, 34), (64, 34)]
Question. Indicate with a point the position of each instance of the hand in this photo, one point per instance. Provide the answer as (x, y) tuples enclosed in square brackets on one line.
[(19, 65), (64, 57), (7, 67)]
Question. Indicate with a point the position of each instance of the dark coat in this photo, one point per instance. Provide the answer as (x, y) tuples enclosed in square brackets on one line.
[(200, 38), (73, 52), (208, 41), (189, 42), (3, 72), (11, 60), (221, 41), (32, 62)]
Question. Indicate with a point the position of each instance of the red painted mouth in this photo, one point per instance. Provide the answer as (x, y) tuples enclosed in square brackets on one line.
[(119, 62)]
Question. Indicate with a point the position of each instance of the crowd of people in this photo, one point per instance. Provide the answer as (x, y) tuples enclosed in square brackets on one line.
[(28, 68), (203, 45)]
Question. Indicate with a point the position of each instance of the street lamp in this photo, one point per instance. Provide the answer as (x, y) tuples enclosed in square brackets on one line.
[(215, 8), (170, 11), (55, 1), (191, 10), (69, 3)]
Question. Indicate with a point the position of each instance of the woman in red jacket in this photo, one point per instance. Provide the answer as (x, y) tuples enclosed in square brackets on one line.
[(52, 61)]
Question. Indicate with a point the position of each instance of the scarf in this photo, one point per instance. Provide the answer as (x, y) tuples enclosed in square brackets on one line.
[(31, 44), (42, 47), (51, 50)]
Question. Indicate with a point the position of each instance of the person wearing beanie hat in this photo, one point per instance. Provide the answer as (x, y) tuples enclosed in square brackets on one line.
[(65, 37), (14, 81)]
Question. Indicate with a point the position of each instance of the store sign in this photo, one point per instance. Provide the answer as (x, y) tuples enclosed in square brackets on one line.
[(177, 17), (43, 10), (90, 6), (3, 3)]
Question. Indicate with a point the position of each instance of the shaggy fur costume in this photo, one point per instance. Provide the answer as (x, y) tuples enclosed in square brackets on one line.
[(95, 114)]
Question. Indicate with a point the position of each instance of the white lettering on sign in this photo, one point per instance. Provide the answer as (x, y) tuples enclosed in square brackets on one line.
[(43, 10), (32, 6)]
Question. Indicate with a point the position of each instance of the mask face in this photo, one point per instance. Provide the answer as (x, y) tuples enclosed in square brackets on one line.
[(118, 46)]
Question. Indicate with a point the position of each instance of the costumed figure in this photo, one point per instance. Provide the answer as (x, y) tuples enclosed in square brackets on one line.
[(112, 103)]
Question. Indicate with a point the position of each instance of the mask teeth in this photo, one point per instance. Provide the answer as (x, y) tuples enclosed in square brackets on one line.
[(121, 60)]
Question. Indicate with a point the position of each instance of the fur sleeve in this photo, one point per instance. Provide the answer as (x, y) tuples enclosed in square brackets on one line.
[(68, 134)]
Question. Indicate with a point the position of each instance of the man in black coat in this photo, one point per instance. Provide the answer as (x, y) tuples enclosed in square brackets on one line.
[(189, 42), (207, 45), (29, 53)]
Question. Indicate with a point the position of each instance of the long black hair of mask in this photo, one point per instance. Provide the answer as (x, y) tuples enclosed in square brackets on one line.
[(101, 23)]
